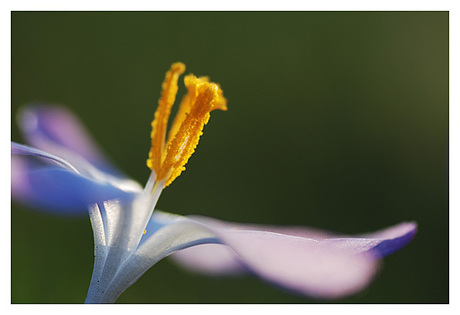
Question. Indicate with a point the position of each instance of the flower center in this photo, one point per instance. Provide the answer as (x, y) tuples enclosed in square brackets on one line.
[(167, 158)]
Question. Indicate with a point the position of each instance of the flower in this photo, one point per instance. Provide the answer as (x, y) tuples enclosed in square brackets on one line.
[(64, 172)]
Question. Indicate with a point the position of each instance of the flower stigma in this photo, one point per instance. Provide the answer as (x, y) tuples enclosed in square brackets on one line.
[(168, 155)]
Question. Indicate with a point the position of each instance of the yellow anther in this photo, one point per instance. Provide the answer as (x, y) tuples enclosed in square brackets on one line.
[(168, 159), (160, 122), (145, 231)]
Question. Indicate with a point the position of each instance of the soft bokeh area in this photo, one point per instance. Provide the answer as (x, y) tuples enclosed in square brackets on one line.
[(336, 120)]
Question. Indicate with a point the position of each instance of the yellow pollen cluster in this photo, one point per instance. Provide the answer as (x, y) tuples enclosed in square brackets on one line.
[(168, 157)]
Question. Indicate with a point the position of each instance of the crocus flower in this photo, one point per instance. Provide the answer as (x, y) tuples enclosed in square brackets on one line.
[(63, 171)]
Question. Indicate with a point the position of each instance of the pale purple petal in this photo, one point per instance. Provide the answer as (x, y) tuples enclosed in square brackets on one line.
[(300, 264), (392, 232), (227, 260), (46, 182), (295, 263), (380, 244), (293, 230), (211, 259), (56, 130)]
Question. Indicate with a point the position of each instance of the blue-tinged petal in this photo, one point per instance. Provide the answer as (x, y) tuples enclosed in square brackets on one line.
[(393, 238), (295, 263), (380, 244), (300, 264), (56, 130), (49, 183), (280, 255)]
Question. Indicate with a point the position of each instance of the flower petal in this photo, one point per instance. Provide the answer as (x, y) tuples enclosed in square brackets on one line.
[(294, 262), (380, 244), (56, 130), (247, 244), (220, 260), (393, 238), (300, 264), (47, 182), (211, 259)]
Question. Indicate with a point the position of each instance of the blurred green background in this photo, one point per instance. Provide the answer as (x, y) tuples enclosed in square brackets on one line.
[(337, 120)]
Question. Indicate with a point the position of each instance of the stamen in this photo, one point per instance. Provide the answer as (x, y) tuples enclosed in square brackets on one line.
[(168, 160), (160, 122), (185, 105)]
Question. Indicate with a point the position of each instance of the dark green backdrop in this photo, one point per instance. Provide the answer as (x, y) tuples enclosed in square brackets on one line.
[(337, 120)]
